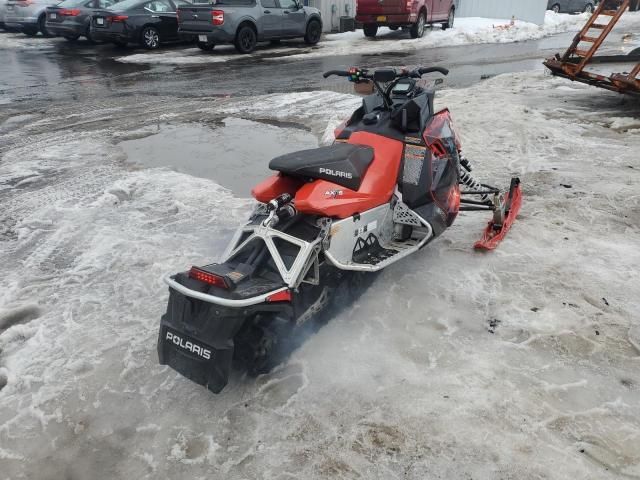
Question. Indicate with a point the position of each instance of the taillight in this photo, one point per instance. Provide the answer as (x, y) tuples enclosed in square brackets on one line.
[(73, 12), (409, 3), (438, 149), (119, 18), (206, 277), (283, 296), (217, 17)]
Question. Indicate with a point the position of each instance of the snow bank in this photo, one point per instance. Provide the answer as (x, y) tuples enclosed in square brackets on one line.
[(20, 41), (521, 363), (466, 31)]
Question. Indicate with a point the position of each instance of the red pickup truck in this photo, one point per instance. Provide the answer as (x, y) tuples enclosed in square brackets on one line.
[(411, 14)]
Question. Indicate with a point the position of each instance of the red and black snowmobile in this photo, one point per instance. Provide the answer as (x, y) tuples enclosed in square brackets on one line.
[(393, 181)]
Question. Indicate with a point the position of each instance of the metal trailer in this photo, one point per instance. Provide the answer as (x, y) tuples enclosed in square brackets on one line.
[(582, 52)]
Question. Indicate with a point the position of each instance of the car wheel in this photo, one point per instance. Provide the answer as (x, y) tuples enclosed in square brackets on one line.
[(43, 27), (314, 31), (31, 31), (150, 38), (72, 38), (450, 20), (246, 39), (555, 8), (370, 30), (588, 8), (417, 29), (207, 47), (393, 27)]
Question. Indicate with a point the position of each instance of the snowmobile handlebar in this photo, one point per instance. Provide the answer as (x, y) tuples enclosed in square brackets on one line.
[(384, 74), (338, 73), (424, 70)]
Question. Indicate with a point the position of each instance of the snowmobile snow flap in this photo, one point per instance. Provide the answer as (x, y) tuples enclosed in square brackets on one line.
[(494, 233), (196, 338)]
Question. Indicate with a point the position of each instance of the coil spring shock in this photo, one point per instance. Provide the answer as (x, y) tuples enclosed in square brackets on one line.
[(467, 179)]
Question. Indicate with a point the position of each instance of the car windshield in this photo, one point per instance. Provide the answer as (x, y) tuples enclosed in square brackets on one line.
[(72, 3), (125, 5)]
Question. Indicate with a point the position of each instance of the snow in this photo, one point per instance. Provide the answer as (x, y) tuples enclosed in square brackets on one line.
[(466, 31), (20, 41), (408, 382)]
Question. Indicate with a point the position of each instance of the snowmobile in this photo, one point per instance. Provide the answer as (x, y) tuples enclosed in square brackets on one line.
[(393, 181)]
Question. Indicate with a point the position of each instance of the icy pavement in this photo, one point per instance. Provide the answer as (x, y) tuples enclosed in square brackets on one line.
[(466, 31), (518, 364)]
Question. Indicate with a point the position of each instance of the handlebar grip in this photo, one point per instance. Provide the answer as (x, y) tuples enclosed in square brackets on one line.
[(441, 70), (339, 73)]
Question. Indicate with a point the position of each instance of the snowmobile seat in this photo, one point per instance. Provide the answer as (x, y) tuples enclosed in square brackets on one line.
[(343, 163)]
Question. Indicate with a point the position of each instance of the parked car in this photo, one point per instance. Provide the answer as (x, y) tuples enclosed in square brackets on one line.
[(71, 19), (29, 16), (247, 22), (3, 6), (147, 22), (413, 15), (571, 6)]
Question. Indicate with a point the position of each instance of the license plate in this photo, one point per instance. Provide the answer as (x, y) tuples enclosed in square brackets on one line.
[(53, 16), (100, 21), (381, 18), (202, 38)]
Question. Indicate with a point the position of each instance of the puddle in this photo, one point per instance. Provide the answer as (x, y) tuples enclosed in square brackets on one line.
[(235, 155)]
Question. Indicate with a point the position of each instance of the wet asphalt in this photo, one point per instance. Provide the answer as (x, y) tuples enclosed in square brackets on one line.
[(61, 71)]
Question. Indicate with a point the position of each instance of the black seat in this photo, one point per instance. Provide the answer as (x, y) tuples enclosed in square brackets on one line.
[(342, 163)]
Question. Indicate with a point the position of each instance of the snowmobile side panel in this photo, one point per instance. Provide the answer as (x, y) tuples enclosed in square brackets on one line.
[(275, 186), (494, 234), (332, 200)]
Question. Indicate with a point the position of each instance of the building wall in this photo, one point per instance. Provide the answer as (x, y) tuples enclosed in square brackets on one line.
[(526, 10), (332, 10)]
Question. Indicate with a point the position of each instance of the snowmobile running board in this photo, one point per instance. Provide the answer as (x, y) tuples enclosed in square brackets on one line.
[(225, 302)]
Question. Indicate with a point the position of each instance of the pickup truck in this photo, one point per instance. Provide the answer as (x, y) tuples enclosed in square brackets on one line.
[(413, 15), (246, 22)]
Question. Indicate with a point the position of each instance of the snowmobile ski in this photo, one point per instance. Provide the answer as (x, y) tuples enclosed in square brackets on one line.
[(496, 230)]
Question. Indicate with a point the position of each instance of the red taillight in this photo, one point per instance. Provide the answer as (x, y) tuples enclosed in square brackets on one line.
[(206, 277), (73, 12), (283, 296), (438, 149), (217, 17), (118, 18)]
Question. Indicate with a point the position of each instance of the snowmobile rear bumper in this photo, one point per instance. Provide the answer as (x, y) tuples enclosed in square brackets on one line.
[(225, 302)]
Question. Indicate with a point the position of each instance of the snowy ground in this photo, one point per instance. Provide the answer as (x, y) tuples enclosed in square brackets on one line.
[(518, 364), (466, 31)]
